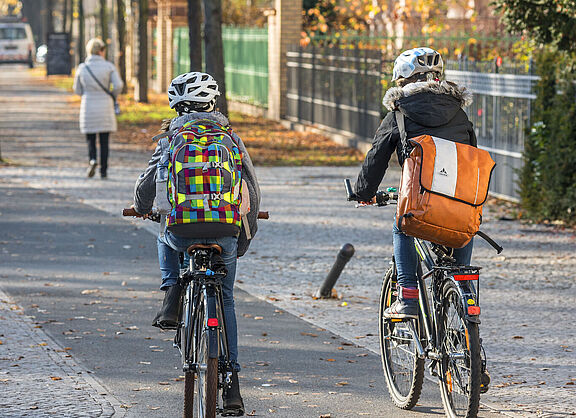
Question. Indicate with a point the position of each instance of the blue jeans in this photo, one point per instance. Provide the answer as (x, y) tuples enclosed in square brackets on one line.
[(170, 245), (406, 257)]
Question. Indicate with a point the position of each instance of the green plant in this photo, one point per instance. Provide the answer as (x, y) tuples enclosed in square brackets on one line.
[(548, 178)]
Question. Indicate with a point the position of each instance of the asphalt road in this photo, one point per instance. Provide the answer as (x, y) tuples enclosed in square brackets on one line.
[(90, 280)]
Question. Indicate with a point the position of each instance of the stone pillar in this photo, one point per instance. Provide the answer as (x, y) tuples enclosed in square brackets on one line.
[(162, 45), (284, 27)]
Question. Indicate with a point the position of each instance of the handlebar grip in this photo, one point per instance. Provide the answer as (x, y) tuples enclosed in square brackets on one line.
[(263, 215), (130, 212), (349, 191)]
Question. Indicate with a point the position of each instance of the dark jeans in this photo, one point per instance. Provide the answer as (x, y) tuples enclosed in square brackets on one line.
[(91, 138), (407, 258)]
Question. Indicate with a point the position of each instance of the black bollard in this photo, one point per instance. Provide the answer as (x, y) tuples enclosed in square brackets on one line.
[(344, 255)]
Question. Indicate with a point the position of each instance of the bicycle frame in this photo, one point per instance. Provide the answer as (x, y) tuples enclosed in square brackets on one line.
[(469, 295)]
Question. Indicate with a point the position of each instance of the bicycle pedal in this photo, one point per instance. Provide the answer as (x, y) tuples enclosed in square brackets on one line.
[(232, 412)]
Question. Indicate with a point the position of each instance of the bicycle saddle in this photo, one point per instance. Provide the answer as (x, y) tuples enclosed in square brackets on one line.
[(194, 247)]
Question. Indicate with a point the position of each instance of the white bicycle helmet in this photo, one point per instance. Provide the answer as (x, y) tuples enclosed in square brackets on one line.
[(416, 61), (193, 87)]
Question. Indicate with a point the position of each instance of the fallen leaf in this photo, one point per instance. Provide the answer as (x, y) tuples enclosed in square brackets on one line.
[(153, 408), (132, 327), (308, 334), (325, 416), (258, 318), (330, 359), (89, 291), (518, 337), (55, 378), (292, 381), (341, 383), (292, 393), (142, 388), (164, 383), (251, 414)]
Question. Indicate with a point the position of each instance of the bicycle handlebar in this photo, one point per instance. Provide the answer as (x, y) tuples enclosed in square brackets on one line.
[(382, 197), (132, 212)]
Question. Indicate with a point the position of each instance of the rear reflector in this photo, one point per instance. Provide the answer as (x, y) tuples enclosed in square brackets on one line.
[(473, 310), (460, 277), (212, 322)]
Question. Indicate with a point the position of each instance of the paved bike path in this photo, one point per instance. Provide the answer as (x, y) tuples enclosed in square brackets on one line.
[(89, 280)]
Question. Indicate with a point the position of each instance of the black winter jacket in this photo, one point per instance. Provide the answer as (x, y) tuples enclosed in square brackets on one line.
[(433, 108)]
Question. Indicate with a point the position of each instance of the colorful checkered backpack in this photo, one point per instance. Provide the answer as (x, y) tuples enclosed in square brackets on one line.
[(204, 174)]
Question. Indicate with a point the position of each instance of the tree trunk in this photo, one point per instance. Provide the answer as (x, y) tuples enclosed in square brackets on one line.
[(49, 16), (104, 23), (141, 93), (213, 48), (81, 31), (65, 17), (195, 34), (121, 22)]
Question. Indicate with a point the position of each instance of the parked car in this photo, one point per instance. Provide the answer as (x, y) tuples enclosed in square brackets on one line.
[(16, 43)]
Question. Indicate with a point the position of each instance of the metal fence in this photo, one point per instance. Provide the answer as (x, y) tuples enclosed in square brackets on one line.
[(245, 58), (335, 89), (341, 89)]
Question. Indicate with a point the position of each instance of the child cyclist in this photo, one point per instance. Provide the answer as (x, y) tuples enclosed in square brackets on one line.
[(430, 106), (193, 97)]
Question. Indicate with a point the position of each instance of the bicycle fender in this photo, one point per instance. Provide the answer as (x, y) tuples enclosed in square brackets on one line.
[(468, 298), (213, 343)]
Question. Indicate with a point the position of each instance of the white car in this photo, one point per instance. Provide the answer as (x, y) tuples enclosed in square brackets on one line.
[(16, 43)]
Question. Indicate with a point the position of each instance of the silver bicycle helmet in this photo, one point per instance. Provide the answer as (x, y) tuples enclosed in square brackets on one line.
[(416, 61), (193, 87)]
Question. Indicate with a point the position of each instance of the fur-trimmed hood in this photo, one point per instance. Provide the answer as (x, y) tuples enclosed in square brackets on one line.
[(428, 103), (437, 87)]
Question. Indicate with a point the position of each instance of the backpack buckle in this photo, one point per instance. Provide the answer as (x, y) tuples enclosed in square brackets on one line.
[(216, 196)]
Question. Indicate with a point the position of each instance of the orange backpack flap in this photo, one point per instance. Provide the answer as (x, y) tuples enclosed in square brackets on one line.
[(457, 171)]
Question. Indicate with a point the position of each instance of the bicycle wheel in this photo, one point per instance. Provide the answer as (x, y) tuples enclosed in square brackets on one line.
[(207, 375), (460, 368), (403, 370), (186, 331)]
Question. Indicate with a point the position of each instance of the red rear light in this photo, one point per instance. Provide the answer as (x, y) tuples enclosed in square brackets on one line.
[(474, 310), (460, 277), (212, 322)]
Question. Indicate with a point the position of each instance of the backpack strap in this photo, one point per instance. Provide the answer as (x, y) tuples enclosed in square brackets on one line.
[(403, 135)]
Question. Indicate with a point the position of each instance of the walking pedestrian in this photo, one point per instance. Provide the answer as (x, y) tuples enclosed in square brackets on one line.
[(98, 107)]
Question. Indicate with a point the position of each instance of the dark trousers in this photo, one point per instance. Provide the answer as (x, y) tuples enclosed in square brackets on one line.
[(91, 138)]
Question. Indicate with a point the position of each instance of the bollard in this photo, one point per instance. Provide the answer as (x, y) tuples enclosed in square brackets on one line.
[(344, 255)]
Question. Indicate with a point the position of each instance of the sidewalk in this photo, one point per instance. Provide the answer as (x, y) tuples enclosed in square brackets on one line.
[(526, 291), (45, 376)]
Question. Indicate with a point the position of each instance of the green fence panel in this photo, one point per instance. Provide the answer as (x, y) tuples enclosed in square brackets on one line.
[(246, 58), (181, 51)]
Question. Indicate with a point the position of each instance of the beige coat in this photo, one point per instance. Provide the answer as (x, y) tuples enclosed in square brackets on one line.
[(97, 107)]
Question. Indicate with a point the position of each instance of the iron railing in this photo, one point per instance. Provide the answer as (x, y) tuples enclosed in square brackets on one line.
[(341, 88)]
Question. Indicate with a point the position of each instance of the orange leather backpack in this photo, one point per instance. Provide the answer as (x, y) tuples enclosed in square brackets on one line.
[(444, 185)]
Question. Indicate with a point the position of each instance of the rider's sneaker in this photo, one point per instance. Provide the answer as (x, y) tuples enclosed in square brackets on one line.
[(401, 310), (406, 306), (233, 404), (484, 381), (167, 317)]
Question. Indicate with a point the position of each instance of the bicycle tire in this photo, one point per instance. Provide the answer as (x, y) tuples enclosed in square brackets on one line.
[(207, 375), (404, 373), (186, 343), (461, 365)]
